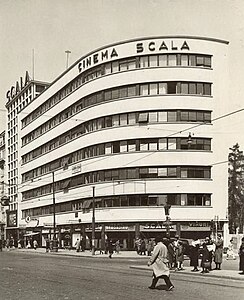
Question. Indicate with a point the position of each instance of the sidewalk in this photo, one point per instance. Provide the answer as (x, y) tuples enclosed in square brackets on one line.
[(224, 273)]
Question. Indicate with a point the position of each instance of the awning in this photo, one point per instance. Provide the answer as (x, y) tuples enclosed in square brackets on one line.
[(32, 233), (66, 183), (87, 203)]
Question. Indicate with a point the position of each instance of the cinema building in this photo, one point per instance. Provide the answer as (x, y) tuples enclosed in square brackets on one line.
[(129, 127)]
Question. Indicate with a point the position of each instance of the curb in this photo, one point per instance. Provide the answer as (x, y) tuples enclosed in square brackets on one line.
[(193, 274)]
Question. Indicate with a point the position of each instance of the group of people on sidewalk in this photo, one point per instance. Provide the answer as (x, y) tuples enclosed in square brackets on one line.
[(209, 251), (165, 251)]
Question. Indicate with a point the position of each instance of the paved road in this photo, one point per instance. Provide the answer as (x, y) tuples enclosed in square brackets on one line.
[(33, 276)]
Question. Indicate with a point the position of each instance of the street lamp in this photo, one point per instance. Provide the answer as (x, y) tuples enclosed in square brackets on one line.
[(167, 222)]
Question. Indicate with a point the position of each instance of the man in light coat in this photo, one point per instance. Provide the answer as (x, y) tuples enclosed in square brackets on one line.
[(159, 263)]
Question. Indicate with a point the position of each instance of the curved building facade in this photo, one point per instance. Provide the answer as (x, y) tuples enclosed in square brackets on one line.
[(130, 127)]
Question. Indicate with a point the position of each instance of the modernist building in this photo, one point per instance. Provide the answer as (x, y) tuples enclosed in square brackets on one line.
[(130, 126), (18, 97), (3, 188)]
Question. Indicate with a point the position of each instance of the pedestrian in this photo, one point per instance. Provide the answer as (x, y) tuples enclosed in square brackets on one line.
[(211, 249), (110, 248), (138, 245), (230, 251), (159, 261), (7, 244), (241, 255), (171, 254), (218, 255), (28, 245), (194, 254), (19, 244), (35, 244), (205, 263), (117, 246), (47, 245), (1, 245), (179, 256), (150, 246), (77, 245), (143, 247)]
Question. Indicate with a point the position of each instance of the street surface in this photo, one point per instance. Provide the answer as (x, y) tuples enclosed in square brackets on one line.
[(34, 276)]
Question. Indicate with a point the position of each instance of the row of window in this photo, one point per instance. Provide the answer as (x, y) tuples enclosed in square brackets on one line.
[(152, 144), (122, 201), (121, 174), (121, 120), (163, 60), (116, 121)]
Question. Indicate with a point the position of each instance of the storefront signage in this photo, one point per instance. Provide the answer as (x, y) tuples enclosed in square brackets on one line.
[(97, 58), (161, 46), (12, 219), (156, 227), (198, 224), (15, 90)]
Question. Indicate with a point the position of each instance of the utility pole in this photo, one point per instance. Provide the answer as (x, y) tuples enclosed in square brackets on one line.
[(55, 244), (167, 222), (93, 220)]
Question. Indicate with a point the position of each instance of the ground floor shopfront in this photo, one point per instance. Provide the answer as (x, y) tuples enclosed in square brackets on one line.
[(126, 233)]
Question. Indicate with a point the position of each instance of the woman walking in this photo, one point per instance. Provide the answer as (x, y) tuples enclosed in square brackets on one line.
[(241, 255), (159, 263)]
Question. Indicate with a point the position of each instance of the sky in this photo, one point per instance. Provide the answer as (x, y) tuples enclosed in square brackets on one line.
[(81, 26)]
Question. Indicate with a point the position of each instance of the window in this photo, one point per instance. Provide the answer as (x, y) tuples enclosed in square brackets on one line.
[(143, 118), (123, 119), (144, 90), (123, 146), (162, 88), (172, 87), (153, 60), (153, 117), (171, 143), (162, 60), (153, 88), (131, 118), (172, 60)]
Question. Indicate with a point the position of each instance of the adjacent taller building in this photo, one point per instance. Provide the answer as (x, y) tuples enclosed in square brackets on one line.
[(131, 126), (18, 97)]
